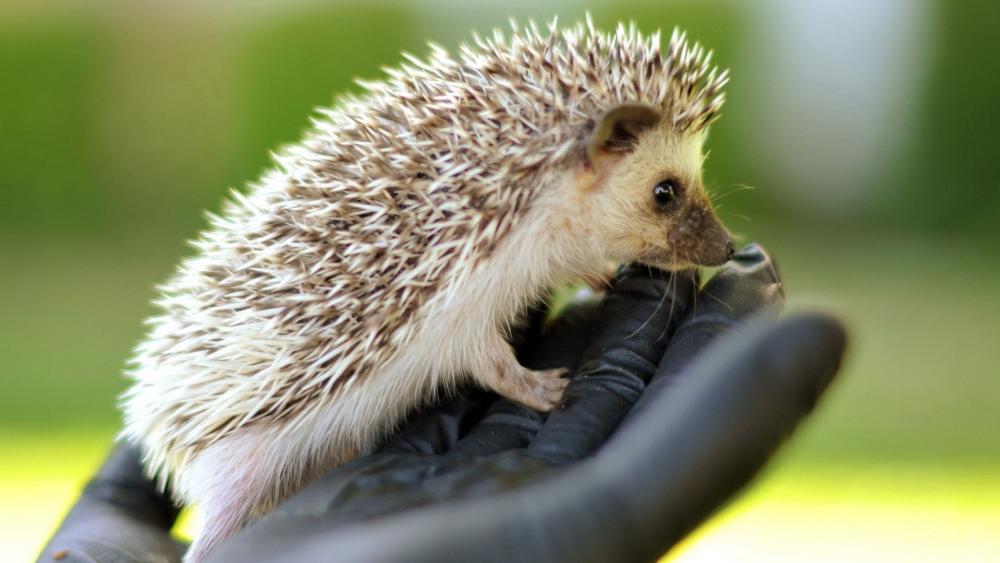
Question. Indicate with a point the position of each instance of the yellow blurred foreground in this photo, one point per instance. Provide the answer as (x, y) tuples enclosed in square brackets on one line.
[(879, 514)]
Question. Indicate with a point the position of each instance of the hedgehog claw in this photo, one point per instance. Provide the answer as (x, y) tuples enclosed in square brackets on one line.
[(538, 389), (552, 384)]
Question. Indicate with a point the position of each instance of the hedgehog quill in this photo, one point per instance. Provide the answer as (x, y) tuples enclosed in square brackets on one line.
[(386, 255)]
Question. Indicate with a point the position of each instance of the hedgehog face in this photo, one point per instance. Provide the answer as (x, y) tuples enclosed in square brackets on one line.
[(651, 205)]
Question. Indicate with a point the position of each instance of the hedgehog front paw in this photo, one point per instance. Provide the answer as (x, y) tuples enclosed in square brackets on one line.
[(538, 389), (551, 385)]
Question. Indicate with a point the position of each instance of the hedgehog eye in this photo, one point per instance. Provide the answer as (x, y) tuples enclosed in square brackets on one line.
[(665, 192)]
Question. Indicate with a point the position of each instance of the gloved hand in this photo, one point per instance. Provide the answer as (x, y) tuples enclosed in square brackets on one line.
[(663, 421)]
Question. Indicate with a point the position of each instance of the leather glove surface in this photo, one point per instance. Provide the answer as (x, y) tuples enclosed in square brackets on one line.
[(679, 396)]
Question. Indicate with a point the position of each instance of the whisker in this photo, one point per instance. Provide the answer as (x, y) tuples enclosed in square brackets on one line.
[(694, 300), (737, 216), (720, 301), (716, 196), (650, 317), (673, 301)]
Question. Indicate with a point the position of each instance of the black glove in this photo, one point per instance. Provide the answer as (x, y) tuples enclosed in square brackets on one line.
[(482, 479)]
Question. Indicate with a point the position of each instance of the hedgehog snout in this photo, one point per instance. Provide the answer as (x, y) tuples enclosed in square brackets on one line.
[(700, 237)]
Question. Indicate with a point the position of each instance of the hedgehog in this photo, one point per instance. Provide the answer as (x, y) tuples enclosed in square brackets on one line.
[(387, 255)]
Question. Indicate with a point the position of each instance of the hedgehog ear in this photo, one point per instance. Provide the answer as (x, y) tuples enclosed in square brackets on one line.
[(618, 130)]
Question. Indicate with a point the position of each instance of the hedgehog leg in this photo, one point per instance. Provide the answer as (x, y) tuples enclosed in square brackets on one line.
[(232, 481), (501, 372), (223, 518)]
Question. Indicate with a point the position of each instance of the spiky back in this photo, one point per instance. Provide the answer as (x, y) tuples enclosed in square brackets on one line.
[(317, 276)]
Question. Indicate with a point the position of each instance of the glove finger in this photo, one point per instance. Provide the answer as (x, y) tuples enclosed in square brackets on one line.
[(644, 491), (120, 516), (704, 439), (638, 312), (508, 425), (436, 429), (749, 285), (749, 282)]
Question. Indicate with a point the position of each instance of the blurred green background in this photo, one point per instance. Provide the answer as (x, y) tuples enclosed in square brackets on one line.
[(867, 128)]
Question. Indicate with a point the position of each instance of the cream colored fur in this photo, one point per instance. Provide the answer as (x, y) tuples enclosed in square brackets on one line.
[(384, 258), (245, 474)]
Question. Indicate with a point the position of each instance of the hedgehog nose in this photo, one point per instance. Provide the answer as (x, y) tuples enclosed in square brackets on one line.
[(730, 249)]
